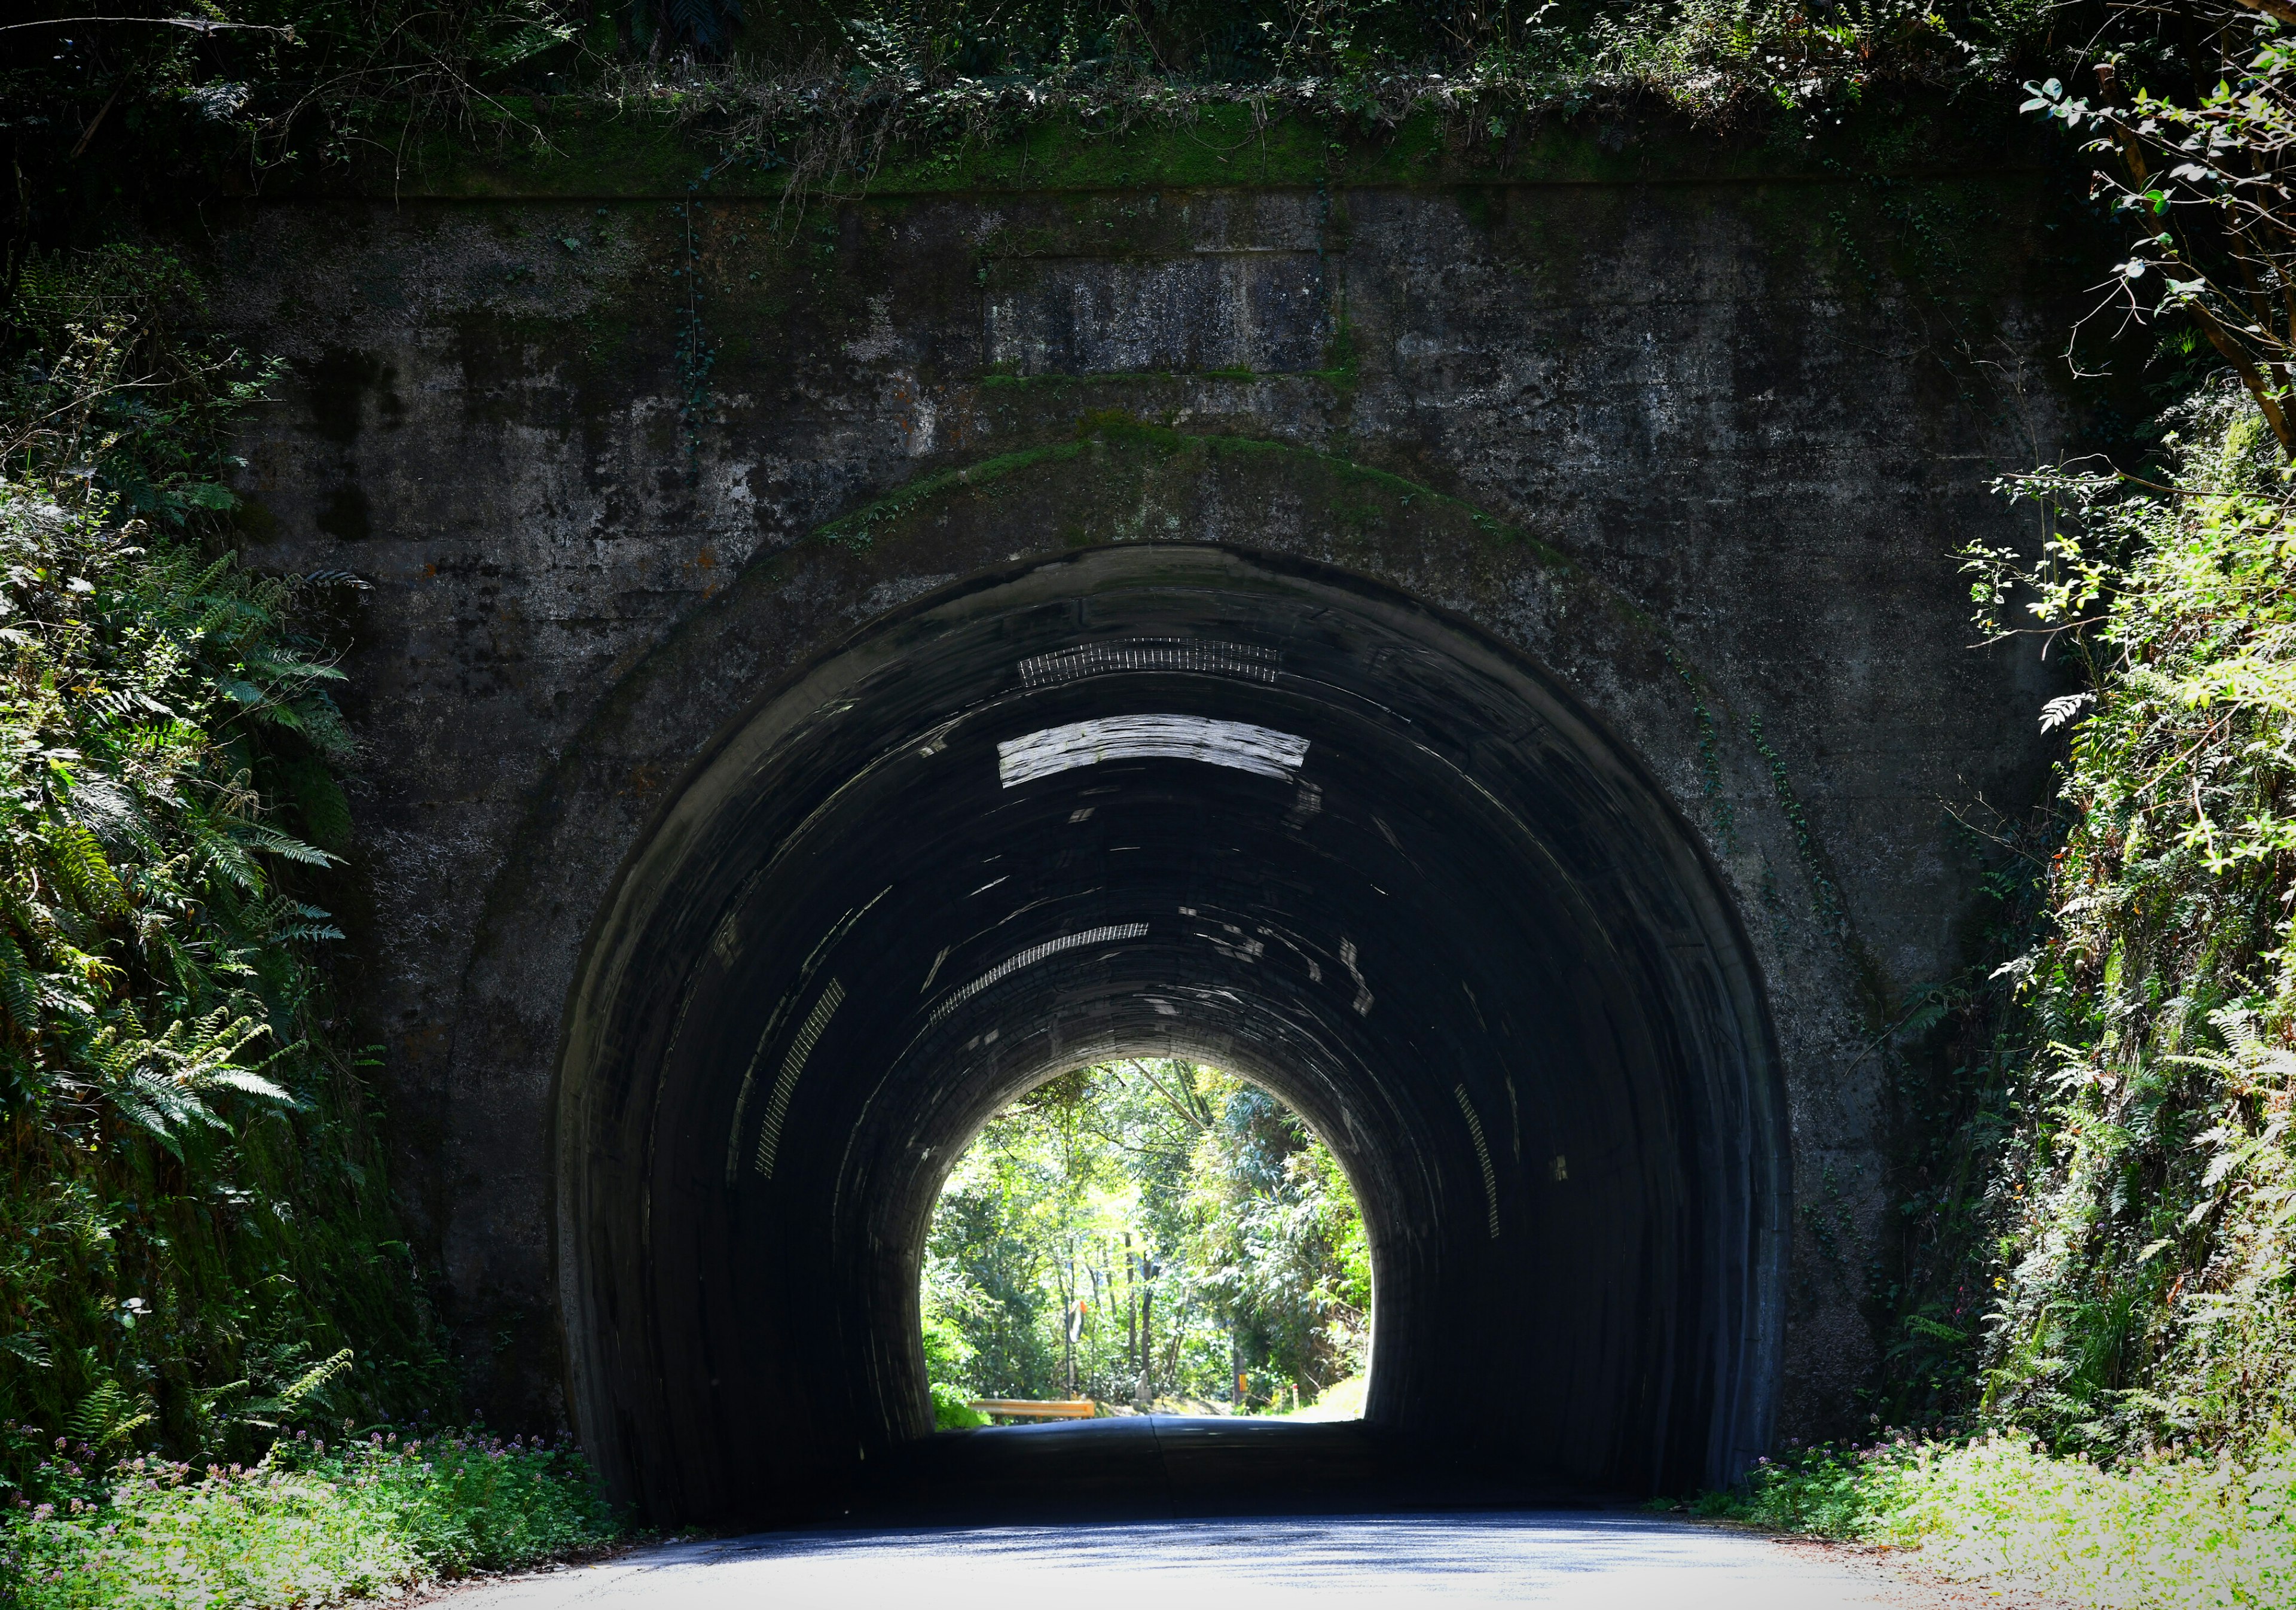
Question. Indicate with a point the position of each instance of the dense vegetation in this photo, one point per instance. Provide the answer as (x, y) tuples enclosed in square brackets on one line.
[(1147, 1232), (198, 1251), (2104, 1299), (2103, 1251), (2154, 1533), (197, 1234), (310, 1524), (141, 108)]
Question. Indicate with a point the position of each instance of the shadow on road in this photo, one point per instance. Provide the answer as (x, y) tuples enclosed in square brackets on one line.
[(1169, 1466)]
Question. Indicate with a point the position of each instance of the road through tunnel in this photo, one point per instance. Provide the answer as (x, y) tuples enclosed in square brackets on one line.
[(1171, 802)]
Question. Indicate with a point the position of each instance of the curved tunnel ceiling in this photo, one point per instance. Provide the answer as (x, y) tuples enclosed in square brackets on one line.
[(1184, 802)]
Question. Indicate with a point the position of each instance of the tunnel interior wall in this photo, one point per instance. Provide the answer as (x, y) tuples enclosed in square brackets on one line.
[(1451, 920), (1673, 443)]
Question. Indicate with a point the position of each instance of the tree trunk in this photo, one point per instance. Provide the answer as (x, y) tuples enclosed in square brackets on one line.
[(1147, 1345)]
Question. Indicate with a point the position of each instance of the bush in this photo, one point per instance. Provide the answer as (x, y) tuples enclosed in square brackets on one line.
[(2160, 1532), (953, 1409), (308, 1525)]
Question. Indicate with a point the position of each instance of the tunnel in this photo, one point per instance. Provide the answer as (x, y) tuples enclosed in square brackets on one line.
[(1165, 800)]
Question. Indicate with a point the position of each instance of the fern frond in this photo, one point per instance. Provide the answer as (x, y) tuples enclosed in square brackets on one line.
[(18, 989), (272, 842), (311, 1382)]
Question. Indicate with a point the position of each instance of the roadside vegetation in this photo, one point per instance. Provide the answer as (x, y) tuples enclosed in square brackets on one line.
[(306, 1525), (1150, 1233), (2150, 1534), (200, 1263), (2099, 1298)]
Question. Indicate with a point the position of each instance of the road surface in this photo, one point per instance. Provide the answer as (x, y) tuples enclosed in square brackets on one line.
[(1588, 1560)]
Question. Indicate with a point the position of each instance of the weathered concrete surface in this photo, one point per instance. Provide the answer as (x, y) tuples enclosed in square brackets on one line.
[(582, 449)]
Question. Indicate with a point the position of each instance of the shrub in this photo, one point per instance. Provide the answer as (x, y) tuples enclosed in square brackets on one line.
[(307, 1525), (2158, 1532), (953, 1409)]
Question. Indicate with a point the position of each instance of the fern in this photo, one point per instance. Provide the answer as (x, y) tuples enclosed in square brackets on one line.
[(109, 1417), (271, 1412), (190, 1201)]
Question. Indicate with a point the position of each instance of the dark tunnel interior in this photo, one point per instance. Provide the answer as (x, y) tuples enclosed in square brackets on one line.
[(1177, 802)]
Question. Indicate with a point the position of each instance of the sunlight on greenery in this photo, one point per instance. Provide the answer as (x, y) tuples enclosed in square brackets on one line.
[(2150, 1534), (308, 1524), (1148, 1233)]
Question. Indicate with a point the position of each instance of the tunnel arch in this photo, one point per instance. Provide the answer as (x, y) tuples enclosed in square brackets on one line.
[(1186, 801)]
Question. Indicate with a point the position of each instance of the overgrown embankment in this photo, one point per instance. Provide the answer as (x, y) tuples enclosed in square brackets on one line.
[(2116, 1204), (2121, 1180), (2120, 1421), (198, 1253), (197, 1238)]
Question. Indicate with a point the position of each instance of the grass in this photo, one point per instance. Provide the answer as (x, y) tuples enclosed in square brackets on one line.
[(2152, 1534), (310, 1526), (1342, 1400)]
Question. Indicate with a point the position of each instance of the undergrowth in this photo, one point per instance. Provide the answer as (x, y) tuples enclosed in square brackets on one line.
[(2145, 1206), (2160, 1534), (129, 107), (307, 1524)]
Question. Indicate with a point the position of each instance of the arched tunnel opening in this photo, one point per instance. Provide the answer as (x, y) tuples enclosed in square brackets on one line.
[(1151, 801)]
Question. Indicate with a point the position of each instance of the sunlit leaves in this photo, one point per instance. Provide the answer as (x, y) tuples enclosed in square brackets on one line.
[(2146, 1286), (1200, 1225)]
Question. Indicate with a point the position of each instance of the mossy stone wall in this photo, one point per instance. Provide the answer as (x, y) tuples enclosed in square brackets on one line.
[(620, 449)]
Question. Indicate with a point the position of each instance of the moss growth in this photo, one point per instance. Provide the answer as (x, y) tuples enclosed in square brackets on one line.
[(859, 528), (656, 149), (1139, 471)]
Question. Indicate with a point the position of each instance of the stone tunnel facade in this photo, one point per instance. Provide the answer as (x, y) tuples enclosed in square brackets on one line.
[(1589, 549)]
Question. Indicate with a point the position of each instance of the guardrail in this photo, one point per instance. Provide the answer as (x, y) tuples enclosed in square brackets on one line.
[(1035, 1409)]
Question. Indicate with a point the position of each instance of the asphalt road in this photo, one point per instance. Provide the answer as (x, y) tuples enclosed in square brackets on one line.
[(1601, 1560)]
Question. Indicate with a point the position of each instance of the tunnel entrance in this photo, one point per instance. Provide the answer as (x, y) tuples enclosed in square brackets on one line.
[(1148, 1235), (1186, 802)]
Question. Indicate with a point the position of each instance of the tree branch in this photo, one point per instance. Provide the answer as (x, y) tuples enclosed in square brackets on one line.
[(2282, 11), (197, 25)]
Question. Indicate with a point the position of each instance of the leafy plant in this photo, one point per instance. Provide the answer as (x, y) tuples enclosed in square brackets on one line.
[(2202, 167), (2147, 1281), (2162, 1533), (194, 1238), (306, 1525)]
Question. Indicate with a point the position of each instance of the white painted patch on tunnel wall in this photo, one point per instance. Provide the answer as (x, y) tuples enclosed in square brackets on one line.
[(1244, 659), (1482, 1156), (749, 1080), (1259, 750), (770, 1132), (1035, 954), (1364, 997)]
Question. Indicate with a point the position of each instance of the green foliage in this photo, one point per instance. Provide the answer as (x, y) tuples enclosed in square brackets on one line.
[(125, 109), (1276, 1243), (2193, 139), (2146, 1204), (1141, 1230), (828, 95), (307, 1524), (194, 1230), (2159, 1534), (953, 1408)]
